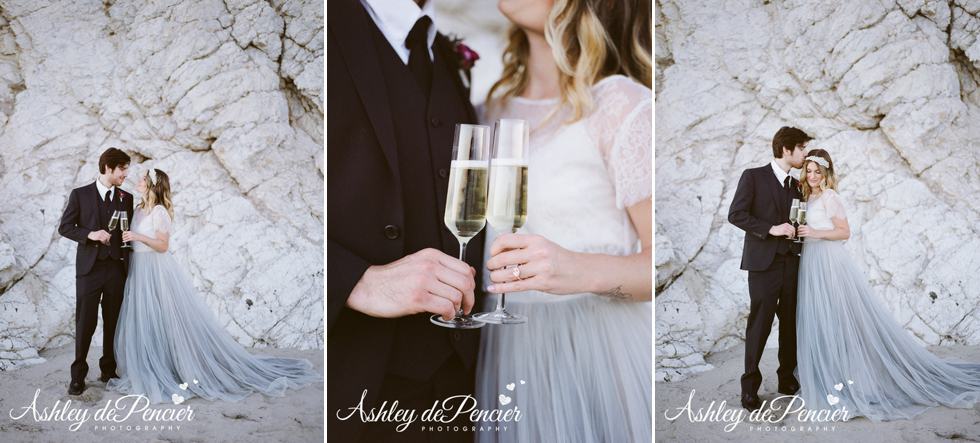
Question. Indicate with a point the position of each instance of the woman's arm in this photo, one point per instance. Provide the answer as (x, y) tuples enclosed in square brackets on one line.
[(159, 244), (547, 267), (841, 230)]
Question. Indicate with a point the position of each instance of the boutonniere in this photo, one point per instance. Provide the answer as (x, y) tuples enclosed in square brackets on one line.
[(466, 57)]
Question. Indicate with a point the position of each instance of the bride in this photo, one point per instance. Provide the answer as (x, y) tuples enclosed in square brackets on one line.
[(852, 353), (168, 345), (580, 269)]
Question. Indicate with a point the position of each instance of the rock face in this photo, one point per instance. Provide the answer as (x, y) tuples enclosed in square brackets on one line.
[(225, 96), (889, 88)]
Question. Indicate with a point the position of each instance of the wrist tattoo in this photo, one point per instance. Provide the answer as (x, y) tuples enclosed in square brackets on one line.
[(616, 293)]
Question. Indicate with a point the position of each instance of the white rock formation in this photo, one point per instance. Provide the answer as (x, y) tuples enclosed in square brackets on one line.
[(889, 88), (225, 96)]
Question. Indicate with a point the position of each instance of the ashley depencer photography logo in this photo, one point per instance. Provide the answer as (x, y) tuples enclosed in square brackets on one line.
[(771, 417), (443, 413), (114, 415)]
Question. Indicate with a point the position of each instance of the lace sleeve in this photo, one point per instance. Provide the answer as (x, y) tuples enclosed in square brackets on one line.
[(621, 126), (161, 219), (630, 158), (834, 205)]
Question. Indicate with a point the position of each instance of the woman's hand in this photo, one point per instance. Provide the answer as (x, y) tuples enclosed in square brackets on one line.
[(533, 263), (132, 236), (806, 231)]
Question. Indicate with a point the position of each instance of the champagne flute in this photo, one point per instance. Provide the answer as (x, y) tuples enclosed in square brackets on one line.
[(466, 201), (124, 224), (113, 222), (801, 218), (793, 211), (507, 197)]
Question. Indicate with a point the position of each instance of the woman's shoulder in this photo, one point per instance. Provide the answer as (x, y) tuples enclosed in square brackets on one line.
[(621, 85)]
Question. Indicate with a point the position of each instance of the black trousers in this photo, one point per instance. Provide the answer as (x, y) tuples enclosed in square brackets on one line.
[(773, 292), (451, 379), (102, 285)]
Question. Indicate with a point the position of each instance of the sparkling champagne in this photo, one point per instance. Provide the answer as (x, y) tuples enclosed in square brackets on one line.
[(124, 223), (507, 200), (114, 221), (466, 202), (793, 213), (801, 216)]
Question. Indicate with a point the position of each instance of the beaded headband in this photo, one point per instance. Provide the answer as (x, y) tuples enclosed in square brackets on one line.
[(819, 160)]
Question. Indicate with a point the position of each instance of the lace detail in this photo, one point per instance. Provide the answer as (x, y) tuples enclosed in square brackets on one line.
[(833, 204), (161, 219)]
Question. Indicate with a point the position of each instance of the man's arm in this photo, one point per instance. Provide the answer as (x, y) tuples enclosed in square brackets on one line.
[(69, 221), (344, 270), (739, 213)]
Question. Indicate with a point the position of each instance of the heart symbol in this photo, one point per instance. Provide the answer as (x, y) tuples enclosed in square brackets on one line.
[(177, 399), (522, 382), (183, 386), (839, 386), (504, 400), (510, 387), (850, 382), (832, 400), (195, 381)]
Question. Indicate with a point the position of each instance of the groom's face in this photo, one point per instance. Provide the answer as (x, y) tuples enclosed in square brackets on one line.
[(796, 156), (118, 174)]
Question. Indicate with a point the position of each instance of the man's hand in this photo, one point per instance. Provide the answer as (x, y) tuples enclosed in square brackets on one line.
[(426, 281), (784, 229), (100, 236)]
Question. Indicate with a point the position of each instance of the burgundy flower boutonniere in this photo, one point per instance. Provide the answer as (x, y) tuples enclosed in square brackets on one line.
[(466, 57)]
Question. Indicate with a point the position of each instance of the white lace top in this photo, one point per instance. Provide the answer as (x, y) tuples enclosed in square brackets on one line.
[(820, 210), (148, 224), (582, 176)]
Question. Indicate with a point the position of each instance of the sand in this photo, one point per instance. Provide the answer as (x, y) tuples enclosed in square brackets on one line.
[(722, 384), (297, 417)]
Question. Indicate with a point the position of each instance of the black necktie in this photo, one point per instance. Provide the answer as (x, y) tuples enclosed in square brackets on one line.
[(107, 195), (786, 182), (418, 56)]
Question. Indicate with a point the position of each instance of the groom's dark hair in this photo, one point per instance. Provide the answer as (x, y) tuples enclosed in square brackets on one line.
[(788, 137), (112, 158)]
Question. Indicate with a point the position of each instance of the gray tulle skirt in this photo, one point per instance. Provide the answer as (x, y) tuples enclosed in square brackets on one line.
[(580, 370), (167, 336), (851, 349)]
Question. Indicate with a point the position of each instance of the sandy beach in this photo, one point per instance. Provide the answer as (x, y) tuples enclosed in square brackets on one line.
[(297, 417), (722, 384)]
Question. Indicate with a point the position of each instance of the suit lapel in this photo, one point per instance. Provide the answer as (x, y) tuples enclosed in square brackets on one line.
[(349, 26)]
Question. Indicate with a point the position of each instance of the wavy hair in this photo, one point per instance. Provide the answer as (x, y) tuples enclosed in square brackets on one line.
[(159, 193), (590, 40), (829, 174)]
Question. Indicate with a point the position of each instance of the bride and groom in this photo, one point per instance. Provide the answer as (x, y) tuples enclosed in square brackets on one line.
[(839, 347), (157, 331), (580, 368)]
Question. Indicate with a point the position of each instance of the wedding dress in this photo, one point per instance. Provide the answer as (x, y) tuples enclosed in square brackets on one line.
[(169, 345), (852, 353), (580, 368)]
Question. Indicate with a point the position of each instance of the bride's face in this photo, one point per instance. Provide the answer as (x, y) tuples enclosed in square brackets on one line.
[(529, 15), (141, 186), (813, 175)]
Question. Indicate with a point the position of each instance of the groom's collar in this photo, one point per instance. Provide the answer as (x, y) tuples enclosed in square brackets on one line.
[(104, 188), (395, 19), (780, 173)]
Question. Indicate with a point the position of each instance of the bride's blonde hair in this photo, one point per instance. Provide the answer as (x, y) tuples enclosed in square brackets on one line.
[(157, 192), (590, 40), (829, 173)]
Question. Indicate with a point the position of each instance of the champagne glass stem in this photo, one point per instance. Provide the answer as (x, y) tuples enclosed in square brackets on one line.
[(462, 258)]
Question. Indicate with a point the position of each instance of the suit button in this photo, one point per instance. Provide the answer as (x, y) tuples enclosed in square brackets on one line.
[(392, 232), (456, 335), (435, 122), (443, 173)]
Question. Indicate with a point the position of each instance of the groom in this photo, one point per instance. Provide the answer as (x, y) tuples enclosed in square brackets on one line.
[(395, 95), (761, 209), (100, 262)]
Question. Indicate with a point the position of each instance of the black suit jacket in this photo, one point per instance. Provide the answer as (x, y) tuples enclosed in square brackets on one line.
[(367, 214), (81, 217), (760, 203)]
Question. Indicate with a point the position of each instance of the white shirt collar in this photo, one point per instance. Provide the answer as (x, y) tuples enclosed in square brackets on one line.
[(780, 173), (395, 19), (103, 188)]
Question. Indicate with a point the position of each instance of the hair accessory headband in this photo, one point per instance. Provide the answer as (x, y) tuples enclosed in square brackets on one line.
[(152, 174), (819, 160)]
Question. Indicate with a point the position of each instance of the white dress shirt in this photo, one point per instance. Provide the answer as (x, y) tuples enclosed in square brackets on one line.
[(103, 188), (395, 19), (780, 173)]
